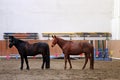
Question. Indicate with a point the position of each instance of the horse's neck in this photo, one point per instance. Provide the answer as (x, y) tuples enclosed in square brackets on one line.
[(20, 45), (61, 42)]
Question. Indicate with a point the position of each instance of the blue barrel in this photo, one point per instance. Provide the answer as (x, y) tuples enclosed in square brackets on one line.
[(106, 55), (100, 55)]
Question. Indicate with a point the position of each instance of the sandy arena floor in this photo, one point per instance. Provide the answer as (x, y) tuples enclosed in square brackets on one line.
[(104, 70)]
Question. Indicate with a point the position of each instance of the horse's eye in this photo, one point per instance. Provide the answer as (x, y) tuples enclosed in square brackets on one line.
[(13, 42)]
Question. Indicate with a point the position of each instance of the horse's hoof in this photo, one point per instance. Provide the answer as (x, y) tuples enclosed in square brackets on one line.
[(82, 68), (47, 67), (91, 68), (70, 68), (28, 68), (21, 68), (42, 67), (65, 68)]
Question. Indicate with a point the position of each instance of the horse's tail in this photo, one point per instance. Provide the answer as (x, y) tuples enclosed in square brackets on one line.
[(47, 57), (92, 57)]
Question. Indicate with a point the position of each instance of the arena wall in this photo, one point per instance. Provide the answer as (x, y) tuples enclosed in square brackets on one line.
[(112, 45), (114, 48)]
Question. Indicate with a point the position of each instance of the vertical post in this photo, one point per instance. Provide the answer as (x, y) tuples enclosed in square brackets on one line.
[(0, 48), (98, 44), (106, 43), (84, 35), (94, 43), (48, 36), (70, 36), (103, 45)]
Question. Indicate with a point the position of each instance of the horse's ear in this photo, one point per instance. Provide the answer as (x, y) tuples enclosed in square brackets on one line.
[(11, 37), (53, 36)]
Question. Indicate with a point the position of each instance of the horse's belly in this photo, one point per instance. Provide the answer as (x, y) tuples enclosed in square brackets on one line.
[(76, 52), (31, 53)]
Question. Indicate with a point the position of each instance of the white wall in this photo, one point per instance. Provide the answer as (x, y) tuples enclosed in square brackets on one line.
[(116, 21), (55, 16)]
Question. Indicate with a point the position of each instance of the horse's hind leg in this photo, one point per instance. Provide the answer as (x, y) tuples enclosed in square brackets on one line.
[(26, 60), (44, 59), (92, 61), (86, 60), (47, 61)]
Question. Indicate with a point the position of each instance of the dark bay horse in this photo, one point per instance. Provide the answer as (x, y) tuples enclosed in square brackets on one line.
[(25, 49), (75, 48)]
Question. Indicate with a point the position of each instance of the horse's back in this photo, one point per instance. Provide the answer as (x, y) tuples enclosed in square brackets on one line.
[(80, 44), (41, 44), (77, 47), (37, 48)]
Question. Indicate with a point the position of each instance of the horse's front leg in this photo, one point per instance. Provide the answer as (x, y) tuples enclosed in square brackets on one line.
[(65, 58), (22, 62), (69, 62), (27, 64)]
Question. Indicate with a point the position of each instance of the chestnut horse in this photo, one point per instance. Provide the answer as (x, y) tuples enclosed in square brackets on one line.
[(25, 49), (75, 48)]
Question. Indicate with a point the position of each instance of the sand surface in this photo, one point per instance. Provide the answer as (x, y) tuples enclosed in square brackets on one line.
[(104, 70)]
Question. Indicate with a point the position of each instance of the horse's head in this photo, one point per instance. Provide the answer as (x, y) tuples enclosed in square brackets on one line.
[(54, 42), (11, 41)]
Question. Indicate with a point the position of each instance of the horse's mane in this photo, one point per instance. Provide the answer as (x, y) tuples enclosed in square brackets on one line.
[(18, 40), (60, 39), (63, 40)]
